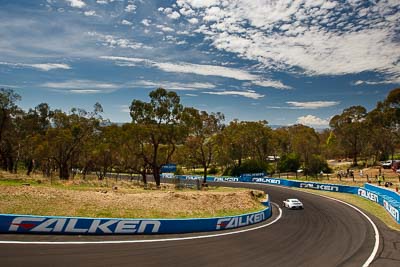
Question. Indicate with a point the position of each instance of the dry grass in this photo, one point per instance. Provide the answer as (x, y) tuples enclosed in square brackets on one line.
[(122, 199)]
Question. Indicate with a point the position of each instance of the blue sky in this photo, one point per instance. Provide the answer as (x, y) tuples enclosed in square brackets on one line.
[(285, 61)]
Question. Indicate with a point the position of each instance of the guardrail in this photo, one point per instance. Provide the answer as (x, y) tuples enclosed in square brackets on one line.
[(29, 224)]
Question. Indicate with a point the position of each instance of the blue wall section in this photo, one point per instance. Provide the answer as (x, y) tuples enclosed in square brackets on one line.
[(10, 223)]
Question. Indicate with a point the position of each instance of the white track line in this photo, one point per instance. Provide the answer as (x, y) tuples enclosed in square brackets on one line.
[(377, 236), (144, 241)]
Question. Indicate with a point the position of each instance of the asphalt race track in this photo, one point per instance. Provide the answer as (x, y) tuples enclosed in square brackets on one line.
[(325, 233)]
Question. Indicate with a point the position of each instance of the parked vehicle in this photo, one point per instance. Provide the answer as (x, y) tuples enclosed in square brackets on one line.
[(390, 163)]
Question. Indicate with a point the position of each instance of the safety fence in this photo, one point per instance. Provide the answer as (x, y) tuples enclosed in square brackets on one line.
[(11, 223)]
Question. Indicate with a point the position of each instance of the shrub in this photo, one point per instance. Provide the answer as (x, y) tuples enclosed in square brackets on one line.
[(249, 166), (289, 163)]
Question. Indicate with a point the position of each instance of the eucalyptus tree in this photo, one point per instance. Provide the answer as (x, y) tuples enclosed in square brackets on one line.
[(131, 151), (68, 134), (32, 127), (104, 153), (233, 149), (201, 143), (161, 128), (350, 129), (384, 125), (8, 111), (304, 141)]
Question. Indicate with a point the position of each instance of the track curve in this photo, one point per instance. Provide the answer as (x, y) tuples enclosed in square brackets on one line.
[(325, 233)]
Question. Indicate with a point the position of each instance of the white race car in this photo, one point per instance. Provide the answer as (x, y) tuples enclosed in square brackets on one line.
[(292, 203)]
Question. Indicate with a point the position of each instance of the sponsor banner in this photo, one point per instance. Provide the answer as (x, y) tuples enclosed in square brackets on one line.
[(168, 168), (167, 175), (393, 210), (247, 177), (365, 193), (189, 177), (226, 179), (383, 191), (267, 180), (309, 185), (10, 223)]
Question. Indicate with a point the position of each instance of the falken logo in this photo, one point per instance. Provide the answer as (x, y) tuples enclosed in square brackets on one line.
[(193, 177), (266, 180), (74, 225), (226, 179), (228, 223), (319, 187), (368, 195), (392, 210)]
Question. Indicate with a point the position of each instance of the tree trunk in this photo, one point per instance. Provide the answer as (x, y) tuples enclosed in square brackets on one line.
[(144, 177), (205, 174), (30, 167), (64, 172), (156, 174)]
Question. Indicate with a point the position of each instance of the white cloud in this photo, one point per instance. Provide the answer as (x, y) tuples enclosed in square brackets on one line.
[(394, 79), (193, 21), (270, 83), (76, 3), (146, 22), (124, 108), (172, 85), (248, 94), (126, 22), (90, 13), (41, 66), (165, 28), (204, 70), (85, 91), (82, 86), (130, 8), (312, 120), (315, 37), (112, 41), (127, 59), (313, 104), (199, 3), (174, 15)]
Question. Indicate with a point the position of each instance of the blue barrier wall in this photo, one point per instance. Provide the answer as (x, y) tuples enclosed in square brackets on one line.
[(310, 185), (388, 199), (383, 191), (10, 223)]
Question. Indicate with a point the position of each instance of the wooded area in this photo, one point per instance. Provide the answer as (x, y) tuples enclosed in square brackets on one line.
[(164, 131)]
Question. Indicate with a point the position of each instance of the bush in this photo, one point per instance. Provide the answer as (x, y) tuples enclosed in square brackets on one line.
[(318, 164), (213, 170), (289, 163), (249, 166)]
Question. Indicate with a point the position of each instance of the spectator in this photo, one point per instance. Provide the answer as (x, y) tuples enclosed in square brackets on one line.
[(379, 180)]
